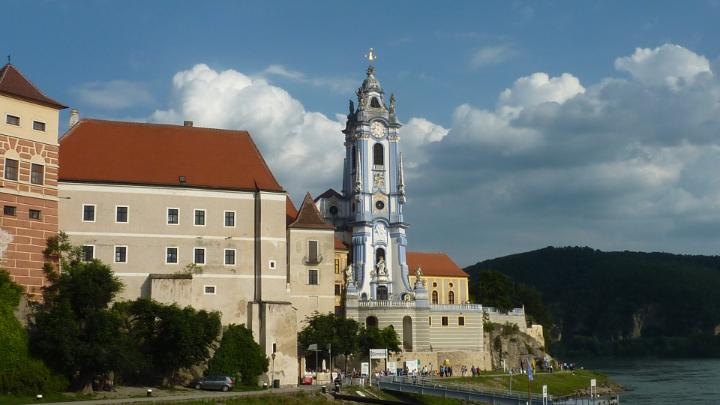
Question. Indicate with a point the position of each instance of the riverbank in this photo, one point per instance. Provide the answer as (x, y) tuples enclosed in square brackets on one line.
[(560, 383)]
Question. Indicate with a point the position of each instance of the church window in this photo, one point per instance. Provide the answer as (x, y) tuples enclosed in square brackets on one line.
[(333, 210), (313, 277), (374, 103), (451, 297), (461, 321), (444, 321), (378, 155), (434, 297)]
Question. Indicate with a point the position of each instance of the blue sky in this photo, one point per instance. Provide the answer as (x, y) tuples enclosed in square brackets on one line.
[(618, 153)]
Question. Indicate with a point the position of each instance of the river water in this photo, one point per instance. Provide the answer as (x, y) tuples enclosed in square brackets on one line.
[(661, 382)]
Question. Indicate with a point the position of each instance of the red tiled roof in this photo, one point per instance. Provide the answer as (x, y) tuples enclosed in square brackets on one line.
[(158, 154), (309, 216), (434, 265), (290, 211), (340, 245), (14, 84)]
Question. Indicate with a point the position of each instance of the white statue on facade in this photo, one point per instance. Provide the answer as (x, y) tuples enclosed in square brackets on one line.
[(419, 277), (379, 233), (348, 274)]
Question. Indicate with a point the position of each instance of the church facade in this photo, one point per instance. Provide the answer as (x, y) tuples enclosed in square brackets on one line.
[(423, 296)]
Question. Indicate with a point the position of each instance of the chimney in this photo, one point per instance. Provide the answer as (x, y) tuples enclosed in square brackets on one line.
[(74, 117), (188, 123)]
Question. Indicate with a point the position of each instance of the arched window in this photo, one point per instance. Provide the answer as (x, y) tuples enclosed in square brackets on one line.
[(451, 297), (434, 297), (374, 103), (371, 322), (382, 293), (378, 155)]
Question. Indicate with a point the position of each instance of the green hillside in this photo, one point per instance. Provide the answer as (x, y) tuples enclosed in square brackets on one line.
[(623, 303)]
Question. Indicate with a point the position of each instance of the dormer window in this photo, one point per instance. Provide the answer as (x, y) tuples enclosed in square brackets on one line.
[(374, 103)]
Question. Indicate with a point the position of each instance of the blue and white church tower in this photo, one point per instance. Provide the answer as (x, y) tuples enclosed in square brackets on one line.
[(368, 214)]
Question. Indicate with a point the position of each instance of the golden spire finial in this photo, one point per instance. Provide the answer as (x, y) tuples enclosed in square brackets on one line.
[(371, 55)]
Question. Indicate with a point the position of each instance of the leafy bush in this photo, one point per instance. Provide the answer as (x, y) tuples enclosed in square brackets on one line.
[(239, 355), (29, 377)]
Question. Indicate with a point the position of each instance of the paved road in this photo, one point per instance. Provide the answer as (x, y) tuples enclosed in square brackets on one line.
[(195, 396)]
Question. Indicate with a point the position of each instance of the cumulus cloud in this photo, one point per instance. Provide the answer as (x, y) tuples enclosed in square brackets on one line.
[(617, 164), (113, 94), (303, 148), (492, 55), (668, 64)]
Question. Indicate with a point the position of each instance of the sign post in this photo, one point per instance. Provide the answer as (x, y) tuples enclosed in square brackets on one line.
[(593, 389), (545, 395), (376, 354)]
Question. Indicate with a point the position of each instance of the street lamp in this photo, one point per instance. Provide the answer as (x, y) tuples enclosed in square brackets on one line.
[(272, 383)]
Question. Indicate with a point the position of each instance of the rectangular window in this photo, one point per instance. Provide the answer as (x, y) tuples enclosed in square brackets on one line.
[(229, 219), (173, 216), (337, 289), (444, 321), (11, 169), (199, 217), (88, 252), (171, 255), (229, 257), (88, 213), (313, 251), (39, 126), (37, 173), (337, 266), (430, 320), (121, 214), (34, 214), (9, 210), (461, 321), (120, 254), (312, 277), (12, 120), (209, 290), (199, 256)]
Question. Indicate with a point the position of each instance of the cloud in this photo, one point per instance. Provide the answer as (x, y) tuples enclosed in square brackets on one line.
[(303, 148), (113, 94), (335, 84), (668, 64), (616, 164), (492, 55)]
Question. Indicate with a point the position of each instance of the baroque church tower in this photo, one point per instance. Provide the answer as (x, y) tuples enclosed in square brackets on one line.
[(368, 215)]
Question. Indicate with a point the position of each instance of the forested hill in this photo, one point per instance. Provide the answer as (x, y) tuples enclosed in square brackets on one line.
[(620, 302)]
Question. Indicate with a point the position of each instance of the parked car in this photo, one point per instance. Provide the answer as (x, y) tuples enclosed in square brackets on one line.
[(214, 382)]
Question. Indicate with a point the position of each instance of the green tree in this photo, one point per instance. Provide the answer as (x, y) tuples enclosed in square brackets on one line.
[(239, 355), (494, 289), (374, 338), (73, 330), (166, 338), (328, 329), (19, 374)]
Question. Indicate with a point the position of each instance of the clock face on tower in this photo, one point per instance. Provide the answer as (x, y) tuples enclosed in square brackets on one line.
[(377, 129)]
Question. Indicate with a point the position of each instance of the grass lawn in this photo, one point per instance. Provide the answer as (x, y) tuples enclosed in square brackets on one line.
[(559, 383), (299, 398), (57, 397)]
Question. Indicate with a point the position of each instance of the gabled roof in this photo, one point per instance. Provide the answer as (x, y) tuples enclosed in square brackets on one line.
[(290, 211), (329, 193), (436, 264), (14, 84), (157, 154), (309, 216)]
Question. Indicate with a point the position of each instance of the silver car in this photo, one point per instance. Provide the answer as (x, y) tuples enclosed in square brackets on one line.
[(215, 382)]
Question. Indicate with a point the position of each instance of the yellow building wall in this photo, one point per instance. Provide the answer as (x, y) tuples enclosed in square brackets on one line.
[(443, 286)]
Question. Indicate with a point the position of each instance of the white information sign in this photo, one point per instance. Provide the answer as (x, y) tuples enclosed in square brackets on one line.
[(544, 391), (365, 368), (392, 367), (412, 366), (593, 383), (378, 353)]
